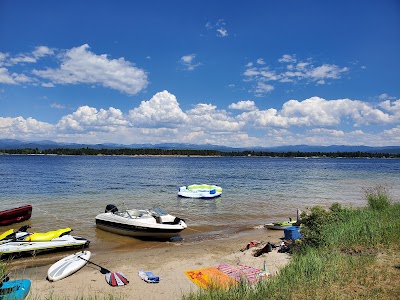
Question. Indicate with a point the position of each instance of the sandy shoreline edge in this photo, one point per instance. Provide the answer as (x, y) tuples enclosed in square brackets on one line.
[(168, 261)]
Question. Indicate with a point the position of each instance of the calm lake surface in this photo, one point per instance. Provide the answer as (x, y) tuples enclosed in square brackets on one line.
[(69, 191)]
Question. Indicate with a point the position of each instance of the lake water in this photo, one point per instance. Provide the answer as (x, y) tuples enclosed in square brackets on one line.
[(69, 191)]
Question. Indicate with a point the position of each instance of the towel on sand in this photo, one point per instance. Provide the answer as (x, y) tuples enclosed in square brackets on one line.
[(208, 277), (241, 272), (149, 277)]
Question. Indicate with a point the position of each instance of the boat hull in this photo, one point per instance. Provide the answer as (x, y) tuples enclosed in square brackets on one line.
[(279, 226), (15, 215), (137, 230), (22, 248)]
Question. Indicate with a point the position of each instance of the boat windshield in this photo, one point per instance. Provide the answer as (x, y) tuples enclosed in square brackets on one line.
[(159, 211)]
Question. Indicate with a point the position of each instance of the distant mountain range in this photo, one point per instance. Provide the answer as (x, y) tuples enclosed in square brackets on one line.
[(43, 145)]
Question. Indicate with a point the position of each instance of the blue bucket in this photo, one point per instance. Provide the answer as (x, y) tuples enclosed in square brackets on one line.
[(292, 233)]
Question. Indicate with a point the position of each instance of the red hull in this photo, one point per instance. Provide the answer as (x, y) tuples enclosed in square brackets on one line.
[(15, 215)]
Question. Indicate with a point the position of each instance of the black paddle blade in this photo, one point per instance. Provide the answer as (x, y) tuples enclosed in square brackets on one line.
[(104, 271), (116, 279)]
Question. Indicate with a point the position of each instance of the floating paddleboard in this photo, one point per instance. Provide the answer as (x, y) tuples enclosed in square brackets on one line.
[(68, 265)]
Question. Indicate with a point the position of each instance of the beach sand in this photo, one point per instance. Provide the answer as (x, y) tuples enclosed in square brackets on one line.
[(167, 260)]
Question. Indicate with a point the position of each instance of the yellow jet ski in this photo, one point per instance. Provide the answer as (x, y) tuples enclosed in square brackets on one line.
[(22, 242)]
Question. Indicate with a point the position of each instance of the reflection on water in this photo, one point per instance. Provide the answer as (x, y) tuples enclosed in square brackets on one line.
[(70, 191)]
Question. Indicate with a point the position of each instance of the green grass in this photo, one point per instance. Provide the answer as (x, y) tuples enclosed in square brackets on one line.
[(344, 254)]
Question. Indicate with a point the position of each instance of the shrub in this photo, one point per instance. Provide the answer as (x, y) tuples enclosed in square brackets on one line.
[(378, 197), (314, 224)]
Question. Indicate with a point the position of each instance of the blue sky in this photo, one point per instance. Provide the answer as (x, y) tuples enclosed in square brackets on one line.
[(233, 73)]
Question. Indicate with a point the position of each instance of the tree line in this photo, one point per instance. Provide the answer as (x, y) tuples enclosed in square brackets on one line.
[(191, 152)]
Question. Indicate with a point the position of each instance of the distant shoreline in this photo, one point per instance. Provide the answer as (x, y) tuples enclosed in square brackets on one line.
[(192, 153)]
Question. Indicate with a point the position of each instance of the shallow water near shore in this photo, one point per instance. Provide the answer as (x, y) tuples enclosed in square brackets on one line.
[(69, 191)]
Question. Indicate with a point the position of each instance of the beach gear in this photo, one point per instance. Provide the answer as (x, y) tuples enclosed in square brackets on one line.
[(116, 279), (251, 244), (205, 191), (267, 248), (112, 278), (210, 277), (241, 272), (68, 265), (15, 289), (149, 277)]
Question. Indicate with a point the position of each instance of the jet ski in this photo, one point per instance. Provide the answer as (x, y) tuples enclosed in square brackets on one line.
[(23, 242)]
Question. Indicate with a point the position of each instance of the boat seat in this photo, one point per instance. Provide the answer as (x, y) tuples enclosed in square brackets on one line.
[(47, 236), (6, 234)]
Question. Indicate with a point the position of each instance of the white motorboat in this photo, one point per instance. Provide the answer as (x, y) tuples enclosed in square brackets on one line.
[(204, 191), (22, 242), (149, 223)]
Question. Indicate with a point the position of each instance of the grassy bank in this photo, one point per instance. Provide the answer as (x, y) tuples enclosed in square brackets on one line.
[(344, 254)]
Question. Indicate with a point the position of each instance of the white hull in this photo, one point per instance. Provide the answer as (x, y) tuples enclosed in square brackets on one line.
[(140, 223), (68, 265), (25, 247)]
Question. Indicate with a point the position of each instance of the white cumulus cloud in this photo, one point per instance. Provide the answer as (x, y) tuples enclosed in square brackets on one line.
[(188, 61), (162, 110), (244, 105), (79, 65), (314, 121), (87, 118), (20, 127), (295, 71)]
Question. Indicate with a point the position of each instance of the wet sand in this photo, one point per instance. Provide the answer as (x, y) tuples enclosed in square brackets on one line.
[(168, 260)]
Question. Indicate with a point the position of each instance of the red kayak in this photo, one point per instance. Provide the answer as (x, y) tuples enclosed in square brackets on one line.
[(14, 215)]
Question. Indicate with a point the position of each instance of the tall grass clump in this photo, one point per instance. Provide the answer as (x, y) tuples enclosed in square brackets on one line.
[(3, 270), (344, 253), (378, 197)]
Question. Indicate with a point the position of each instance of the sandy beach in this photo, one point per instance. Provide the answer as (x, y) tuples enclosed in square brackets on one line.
[(167, 260)]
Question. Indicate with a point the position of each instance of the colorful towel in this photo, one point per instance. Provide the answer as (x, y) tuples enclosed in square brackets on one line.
[(207, 277), (241, 272), (149, 277)]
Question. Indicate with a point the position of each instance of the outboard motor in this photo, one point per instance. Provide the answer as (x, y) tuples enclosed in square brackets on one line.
[(112, 208), (177, 220)]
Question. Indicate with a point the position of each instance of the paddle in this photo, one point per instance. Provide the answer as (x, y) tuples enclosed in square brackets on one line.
[(112, 278), (102, 270)]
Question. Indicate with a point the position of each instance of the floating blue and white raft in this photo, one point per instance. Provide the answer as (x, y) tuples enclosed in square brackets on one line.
[(204, 191)]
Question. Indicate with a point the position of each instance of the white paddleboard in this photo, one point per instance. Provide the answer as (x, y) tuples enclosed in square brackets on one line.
[(68, 265)]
